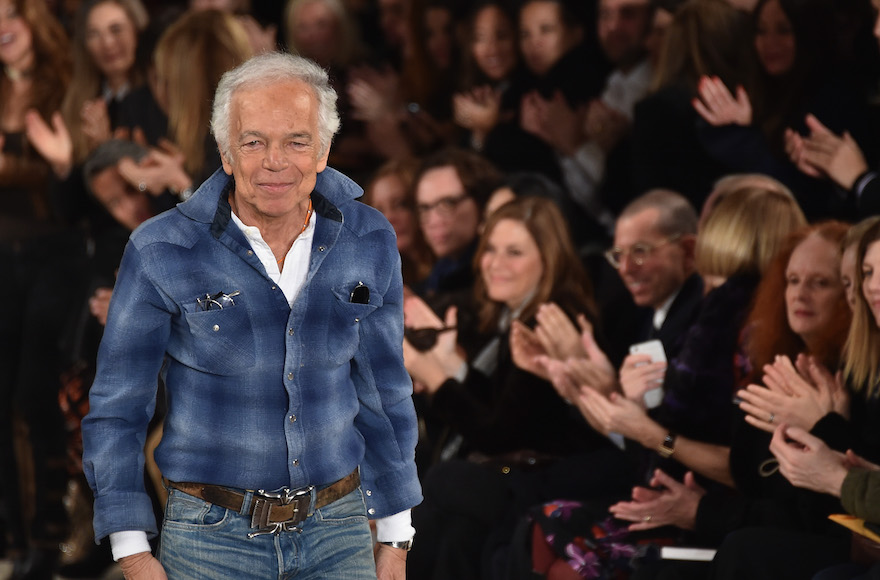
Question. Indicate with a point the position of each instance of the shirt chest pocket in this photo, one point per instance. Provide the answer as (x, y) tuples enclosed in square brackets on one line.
[(221, 342), (344, 336)]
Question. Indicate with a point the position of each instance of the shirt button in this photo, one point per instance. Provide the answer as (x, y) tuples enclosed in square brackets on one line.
[(273, 287), (371, 511), (296, 462), (369, 492), (357, 319), (292, 418), (290, 332), (250, 252), (321, 248), (216, 327), (289, 376)]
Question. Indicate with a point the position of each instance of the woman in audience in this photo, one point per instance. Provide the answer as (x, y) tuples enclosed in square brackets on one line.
[(794, 47), (491, 62), (511, 425), (705, 38), (35, 247), (105, 70), (391, 192), (690, 427), (190, 58)]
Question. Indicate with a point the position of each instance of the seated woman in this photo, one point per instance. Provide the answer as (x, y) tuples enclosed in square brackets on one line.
[(512, 424), (690, 426), (812, 456)]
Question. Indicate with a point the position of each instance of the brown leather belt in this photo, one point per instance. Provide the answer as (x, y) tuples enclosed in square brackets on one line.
[(272, 512)]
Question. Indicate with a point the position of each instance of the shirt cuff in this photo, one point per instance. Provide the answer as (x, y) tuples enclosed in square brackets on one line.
[(396, 528), (124, 544)]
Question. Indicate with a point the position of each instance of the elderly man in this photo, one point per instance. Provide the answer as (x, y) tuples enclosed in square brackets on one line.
[(270, 302), (653, 252)]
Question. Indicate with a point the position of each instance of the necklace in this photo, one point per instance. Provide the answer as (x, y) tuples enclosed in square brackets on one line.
[(16, 75), (305, 225)]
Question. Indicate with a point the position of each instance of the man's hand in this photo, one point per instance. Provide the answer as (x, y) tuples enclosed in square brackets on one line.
[(390, 563), (143, 566), (638, 375)]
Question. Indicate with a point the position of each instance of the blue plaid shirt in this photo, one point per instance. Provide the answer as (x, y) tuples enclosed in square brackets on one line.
[(260, 395)]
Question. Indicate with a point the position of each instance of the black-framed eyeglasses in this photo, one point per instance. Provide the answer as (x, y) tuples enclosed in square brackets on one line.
[(444, 207), (638, 252), (217, 301)]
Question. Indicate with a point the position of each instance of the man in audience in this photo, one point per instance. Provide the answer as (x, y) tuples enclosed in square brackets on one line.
[(452, 187), (654, 241)]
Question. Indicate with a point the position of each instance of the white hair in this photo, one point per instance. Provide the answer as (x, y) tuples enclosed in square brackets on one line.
[(271, 68)]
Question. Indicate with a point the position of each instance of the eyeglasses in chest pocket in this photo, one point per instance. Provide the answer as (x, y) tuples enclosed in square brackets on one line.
[(222, 340)]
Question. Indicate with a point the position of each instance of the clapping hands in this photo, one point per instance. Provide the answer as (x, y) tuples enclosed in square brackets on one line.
[(674, 505), (796, 395), (824, 154), (718, 106)]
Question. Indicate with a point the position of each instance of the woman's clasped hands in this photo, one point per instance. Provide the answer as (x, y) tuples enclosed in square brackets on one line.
[(796, 394)]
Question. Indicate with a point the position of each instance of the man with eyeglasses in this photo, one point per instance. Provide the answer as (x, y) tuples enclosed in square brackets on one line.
[(653, 252), (270, 302), (451, 190)]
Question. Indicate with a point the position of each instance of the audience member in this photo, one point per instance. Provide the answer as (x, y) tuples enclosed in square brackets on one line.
[(491, 62), (451, 189), (705, 38), (190, 58), (510, 421), (105, 70), (35, 247)]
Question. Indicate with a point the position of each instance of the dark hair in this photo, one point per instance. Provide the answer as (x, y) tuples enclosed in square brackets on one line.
[(477, 174)]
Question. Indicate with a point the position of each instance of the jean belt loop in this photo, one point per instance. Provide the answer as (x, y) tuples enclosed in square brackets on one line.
[(246, 503), (313, 498)]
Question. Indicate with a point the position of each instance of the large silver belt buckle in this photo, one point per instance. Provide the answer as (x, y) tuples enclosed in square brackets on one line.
[(264, 501)]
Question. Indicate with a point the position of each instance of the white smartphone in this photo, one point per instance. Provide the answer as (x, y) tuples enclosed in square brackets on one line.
[(654, 348)]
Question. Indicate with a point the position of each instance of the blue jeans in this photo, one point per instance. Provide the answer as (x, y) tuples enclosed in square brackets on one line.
[(202, 540)]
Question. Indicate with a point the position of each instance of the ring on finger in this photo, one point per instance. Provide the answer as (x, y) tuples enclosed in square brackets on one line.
[(772, 417), (647, 519)]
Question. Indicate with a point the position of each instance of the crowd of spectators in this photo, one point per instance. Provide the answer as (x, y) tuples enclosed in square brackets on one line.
[(636, 238)]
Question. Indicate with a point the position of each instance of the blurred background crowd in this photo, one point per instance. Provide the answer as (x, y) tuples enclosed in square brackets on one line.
[(636, 236)]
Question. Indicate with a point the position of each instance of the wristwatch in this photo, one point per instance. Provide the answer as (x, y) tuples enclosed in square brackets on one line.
[(406, 545), (667, 448)]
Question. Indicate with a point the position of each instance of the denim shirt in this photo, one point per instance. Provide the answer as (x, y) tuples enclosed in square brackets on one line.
[(260, 395)]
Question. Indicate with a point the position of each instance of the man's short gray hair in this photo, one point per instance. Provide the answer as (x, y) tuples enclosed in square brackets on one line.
[(677, 215), (267, 69)]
